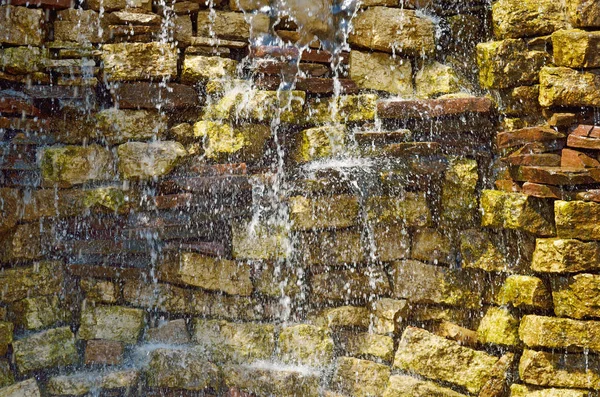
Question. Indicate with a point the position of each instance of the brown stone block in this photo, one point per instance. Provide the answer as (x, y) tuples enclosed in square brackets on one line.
[(555, 175), (146, 95), (106, 352), (576, 159), (584, 142), (544, 191), (527, 135), (425, 109)]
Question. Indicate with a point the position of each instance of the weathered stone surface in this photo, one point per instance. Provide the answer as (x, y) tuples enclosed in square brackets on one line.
[(22, 60), (212, 274), (525, 292), (407, 386), (231, 342), (360, 378), (559, 370), (560, 86), (83, 383), (533, 137), (99, 290), (184, 369), (225, 142), (22, 243), (392, 242), (367, 345), (72, 165), (397, 30), (577, 296), (6, 336), (341, 109), (576, 48), (435, 79), (47, 349), (320, 142), (513, 18), (26, 388), (138, 160), (139, 61), (116, 5), (349, 285), (21, 26), (38, 312), (78, 25), (116, 323), (528, 391), (232, 25), (519, 101), (269, 381), (516, 211), (577, 219), (410, 209), (330, 247), (557, 255), (119, 126), (560, 333), (158, 296), (198, 68), (171, 332), (323, 212), (46, 278), (150, 95), (260, 241), (431, 245), (459, 196), (479, 251), (387, 313), (438, 358), (7, 376), (379, 71), (103, 352), (343, 316), (508, 63), (422, 283), (583, 13), (306, 345), (499, 326)]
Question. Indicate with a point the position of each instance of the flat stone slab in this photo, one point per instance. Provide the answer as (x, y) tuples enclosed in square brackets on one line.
[(558, 176), (431, 108), (526, 136), (146, 95), (560, 333)]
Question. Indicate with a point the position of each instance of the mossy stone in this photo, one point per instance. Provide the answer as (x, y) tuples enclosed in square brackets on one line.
[(499, 326), (305, 344)]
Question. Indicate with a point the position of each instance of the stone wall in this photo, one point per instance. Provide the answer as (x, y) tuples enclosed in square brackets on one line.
[(172, 225)]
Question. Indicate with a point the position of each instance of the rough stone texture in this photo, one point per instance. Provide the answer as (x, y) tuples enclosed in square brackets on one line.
[(514, 18), (557, 255), (410, 209), (342, 246), (432, 245), (323, 212), (360, 378), (435, 79), (223, 141), (341, 109), (577, 296), (459, 196), (78, 25), (438, 358), (183, 369), (508, 63), (116, 323), (387, 313), (47, 349), (84, 383), (559, 369), (499, 326), (576, 48), (577, 219), (158, 296), (306, 345), (528, 391), (479, 251), (38, 312), (214, 274), (139, 61), (46, 278), (72, 165), (260, 241), (6, 374), (138, 160), (172, 332), (524, 292), (516, 211), (267, 381), (103, 352), (198, 68), (99, 290), (367, 345), (21, 26), (379, 71), (584, 13), (349, 285), (393, 30), (6, 336), (560, 86), (562, 333), (116, 5), (26, 388), (343, 316), (23, 60), (230, 342), (320, 142), (119, 126), (422, 283), (407, 386), (232, 25)]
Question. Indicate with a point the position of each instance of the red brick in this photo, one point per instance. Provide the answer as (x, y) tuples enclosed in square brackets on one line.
[(103, 352)]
